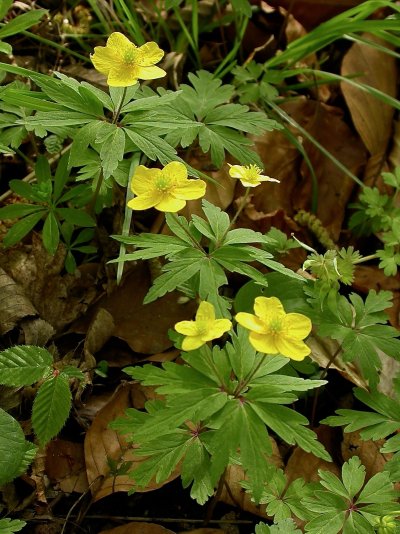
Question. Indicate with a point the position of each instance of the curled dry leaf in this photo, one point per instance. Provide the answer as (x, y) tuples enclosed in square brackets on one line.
[(103, 444), (14, 305), (100, 330), (138, 528), (321, 353)]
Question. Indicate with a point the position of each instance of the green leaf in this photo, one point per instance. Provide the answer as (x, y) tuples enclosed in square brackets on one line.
[(218, 219), (112, 149), (353, 475), (51, 234), (76, 217), (176, 276), (51, 408), (8, 526), (22, 22), (13, 211), (15, 452), (4, 8), (5, 48), (24, 365)]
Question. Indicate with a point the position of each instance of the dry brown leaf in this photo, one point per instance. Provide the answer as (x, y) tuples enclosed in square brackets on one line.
[(372, 117), (235, 495), (394, 156), (100, 330), (143, 327), (65, 465), (367, 451), (302, 464), (103, 443), (202, 531), (282, 160), (14, 305), (321, 353), (58, 298), (313, 12), (37, 331), (138, 528)]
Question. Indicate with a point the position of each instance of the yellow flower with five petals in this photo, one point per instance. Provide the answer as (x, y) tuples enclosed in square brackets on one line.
[(165, 189), (249, 175), (205, 328), (124, 63), (274, 331)]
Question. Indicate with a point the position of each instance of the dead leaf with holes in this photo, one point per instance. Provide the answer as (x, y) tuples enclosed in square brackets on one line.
[(138, 528), (103, 444), (368, 451)]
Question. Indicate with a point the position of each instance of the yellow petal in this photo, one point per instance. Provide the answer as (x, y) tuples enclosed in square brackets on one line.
[(169, 204), (249, 184), (175, 171), (236, 171), (263, 343), (122, 76), (187, 328), (217, 329), (298, 326), (119, 42), (150, 53), (145, 201), (192, 342), (143, 179), (292, 348), (190, 190), (205, 312), (268, 308), (150, 73), (104, 59), (251, 322)]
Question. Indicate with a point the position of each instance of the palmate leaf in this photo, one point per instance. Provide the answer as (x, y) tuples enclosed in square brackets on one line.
[(9, 526), (222, 123), (24, 365), (286, 526), (15, 452), (51, 408)]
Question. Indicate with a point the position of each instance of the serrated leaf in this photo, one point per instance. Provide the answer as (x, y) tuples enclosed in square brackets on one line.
[(51, 408), (112, 151), (353, 475), (24, 365), (171, 280), (9, 526), (14, 449), (14, 211), (77, 217)]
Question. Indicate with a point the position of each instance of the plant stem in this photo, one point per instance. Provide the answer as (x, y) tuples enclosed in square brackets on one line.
[(366, 258), (235, 217), (192, 239), (243, 384), (214, 501), (119, 107)]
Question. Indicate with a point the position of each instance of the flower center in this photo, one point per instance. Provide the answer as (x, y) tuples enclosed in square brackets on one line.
[(252, 173), (163, 184), (131, 57), (275, 327), (202, 329)]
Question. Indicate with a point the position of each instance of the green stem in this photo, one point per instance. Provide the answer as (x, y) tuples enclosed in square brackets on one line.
[(247, 380), (119, 107), (366, 258), (235, 217), (192, 239)]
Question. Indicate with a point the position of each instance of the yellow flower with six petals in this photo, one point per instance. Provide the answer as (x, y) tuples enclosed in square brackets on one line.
[(274, 331), (124, 63), (205, 328), (165, 189), (249, 175)]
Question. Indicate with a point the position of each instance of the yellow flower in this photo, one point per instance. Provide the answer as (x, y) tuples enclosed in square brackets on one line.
[(249, 175), (205, 328), (124, 63), (165, 189), (274, 331)]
